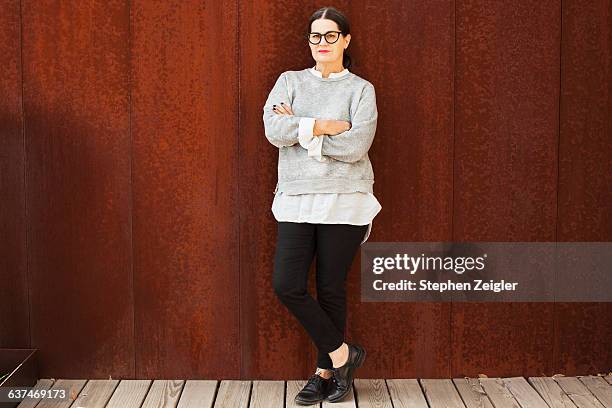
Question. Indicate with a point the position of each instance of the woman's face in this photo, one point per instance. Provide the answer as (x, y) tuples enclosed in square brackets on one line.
[(334, 51)]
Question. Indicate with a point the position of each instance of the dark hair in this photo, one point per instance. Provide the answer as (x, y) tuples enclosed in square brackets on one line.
[(332, 13)]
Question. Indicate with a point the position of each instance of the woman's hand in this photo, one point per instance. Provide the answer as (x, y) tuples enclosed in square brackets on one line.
[(282, 109), (322, 126), (330, 127)]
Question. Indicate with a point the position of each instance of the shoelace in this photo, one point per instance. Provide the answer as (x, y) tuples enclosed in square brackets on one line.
[(314, 378)]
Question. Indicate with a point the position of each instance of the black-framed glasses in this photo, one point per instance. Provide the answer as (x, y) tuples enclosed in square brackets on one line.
[(330, 37)]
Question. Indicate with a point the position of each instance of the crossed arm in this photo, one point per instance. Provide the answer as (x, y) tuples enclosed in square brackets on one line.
[(321, 137)]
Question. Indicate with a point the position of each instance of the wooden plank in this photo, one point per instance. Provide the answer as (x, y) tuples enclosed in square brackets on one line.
[(72, 387), (347, 402), (41, 384), (551, 392), (268, 394), (406, 393), (598, 387), (498, 393), (293, 387), (524, 393), (440, 392), (472, 393), (233, 394), (579, 394), (96, 393), (163, 393), (129, 393), (371, 393), (608, 378), (198, 393)]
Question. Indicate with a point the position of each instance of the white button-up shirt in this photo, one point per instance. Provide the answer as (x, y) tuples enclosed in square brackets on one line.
[(357, 208)]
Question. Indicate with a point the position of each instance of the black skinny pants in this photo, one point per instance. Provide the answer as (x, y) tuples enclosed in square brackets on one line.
[(335, 246)]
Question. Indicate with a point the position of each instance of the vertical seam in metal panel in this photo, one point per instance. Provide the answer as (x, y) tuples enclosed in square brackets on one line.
[(25, 179), (237, 45), (131, 203), (454, 69), (554, 317)]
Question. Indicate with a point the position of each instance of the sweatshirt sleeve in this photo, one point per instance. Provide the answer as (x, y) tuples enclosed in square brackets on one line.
[(307, 139), (280, 130), (352, 145)]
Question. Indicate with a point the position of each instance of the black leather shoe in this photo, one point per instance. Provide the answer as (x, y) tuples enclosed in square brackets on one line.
[(342, 377), (314, 391)]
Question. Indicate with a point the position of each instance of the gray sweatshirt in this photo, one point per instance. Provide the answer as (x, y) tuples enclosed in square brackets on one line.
[(346, 166)]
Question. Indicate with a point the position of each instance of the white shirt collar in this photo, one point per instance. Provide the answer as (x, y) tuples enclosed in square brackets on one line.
[(332, 75)]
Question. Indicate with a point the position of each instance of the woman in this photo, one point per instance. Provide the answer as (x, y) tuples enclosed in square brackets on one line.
[(323, 120)]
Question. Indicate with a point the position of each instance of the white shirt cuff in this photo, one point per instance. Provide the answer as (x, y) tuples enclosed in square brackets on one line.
[(307, 140)]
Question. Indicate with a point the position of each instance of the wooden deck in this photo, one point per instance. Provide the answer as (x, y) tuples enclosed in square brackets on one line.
[(591, 391)]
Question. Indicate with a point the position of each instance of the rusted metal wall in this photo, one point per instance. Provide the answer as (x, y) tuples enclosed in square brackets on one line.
[(76, 111), (184, 126), (138, 181), (584, 193), (505, 162), (14, 311)]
